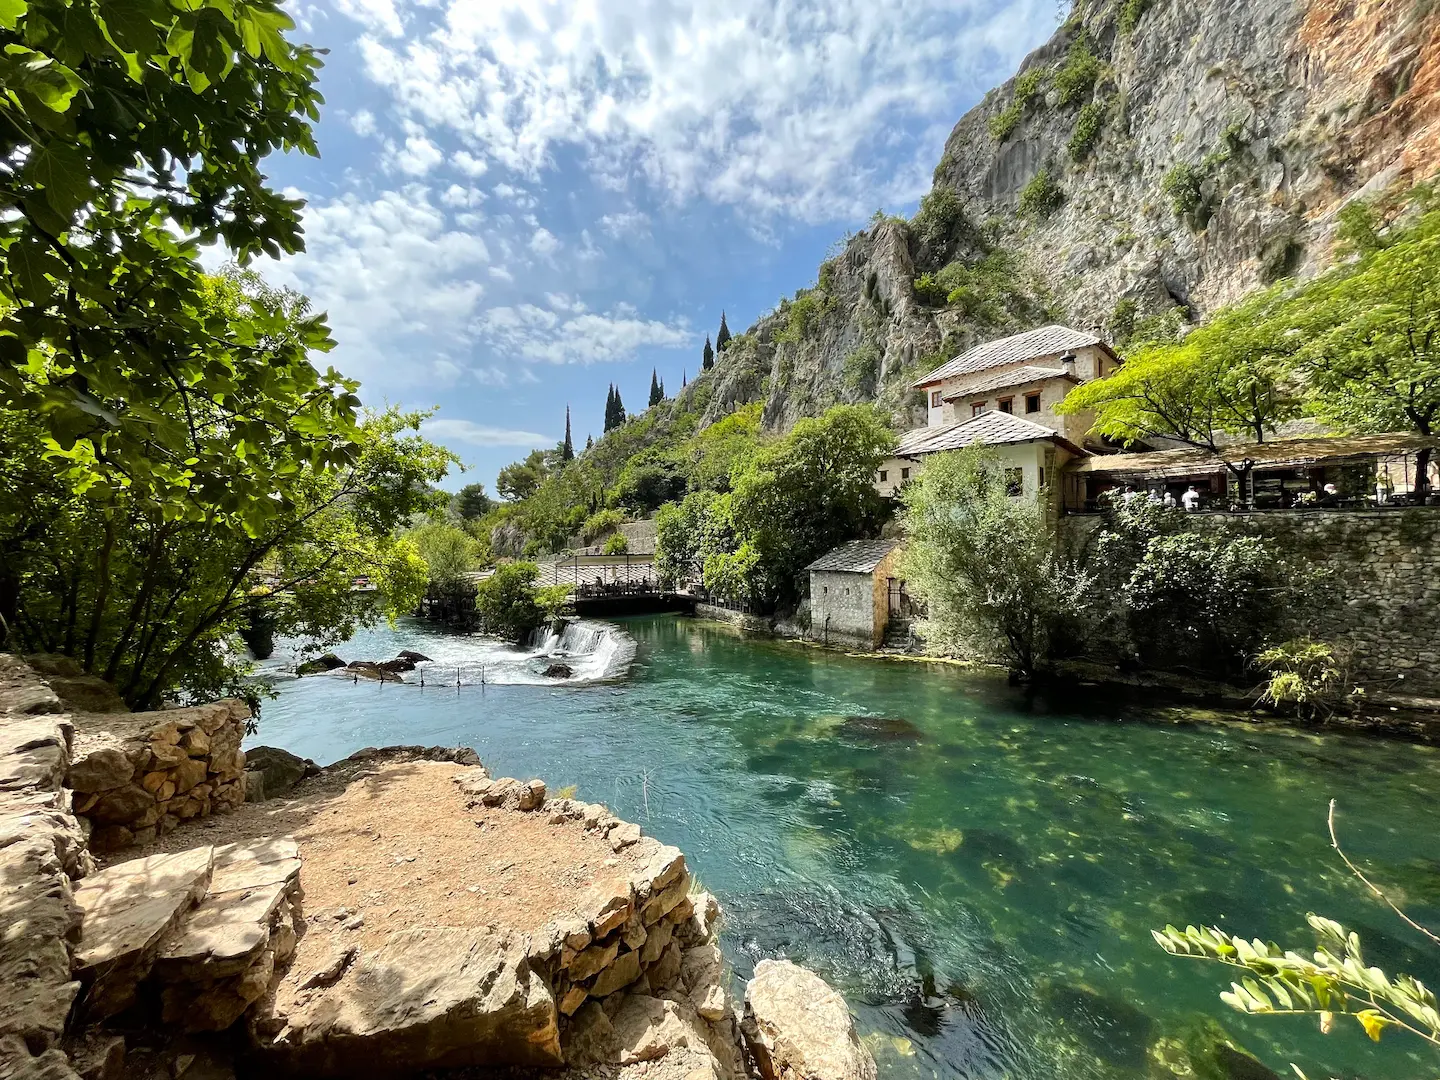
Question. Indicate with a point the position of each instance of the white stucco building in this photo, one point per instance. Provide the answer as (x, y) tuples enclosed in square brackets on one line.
[(1003, 394)]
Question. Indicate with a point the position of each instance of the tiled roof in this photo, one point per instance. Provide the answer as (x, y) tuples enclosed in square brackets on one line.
[(991, 428), (1016, 349), (1013, 377), (856, 557)]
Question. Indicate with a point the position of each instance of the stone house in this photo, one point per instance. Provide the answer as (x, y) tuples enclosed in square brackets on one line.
[(850, 591), (1033, 456), (1025, 375), (1004, 394)]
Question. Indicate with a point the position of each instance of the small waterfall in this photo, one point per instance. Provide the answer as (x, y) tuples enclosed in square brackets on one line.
[(593, 650)]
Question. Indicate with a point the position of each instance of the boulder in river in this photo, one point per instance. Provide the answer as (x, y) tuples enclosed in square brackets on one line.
[(558, 671), (368, 669), (326, 662), (798, 1028), (411, 654)]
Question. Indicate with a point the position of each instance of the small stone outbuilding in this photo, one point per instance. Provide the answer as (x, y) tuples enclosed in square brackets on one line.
[(850, 591)]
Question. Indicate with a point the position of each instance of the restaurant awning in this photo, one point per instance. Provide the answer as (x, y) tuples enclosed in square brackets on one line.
[(1282, 454)]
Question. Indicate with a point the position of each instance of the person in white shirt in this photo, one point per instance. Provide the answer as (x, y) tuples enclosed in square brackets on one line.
[(1191, 499)]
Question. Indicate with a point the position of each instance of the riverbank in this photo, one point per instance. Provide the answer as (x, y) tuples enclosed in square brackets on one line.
[(397, 912), (1410, 718)]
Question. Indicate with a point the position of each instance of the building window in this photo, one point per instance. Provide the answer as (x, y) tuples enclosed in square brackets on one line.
[(1014, 481), (1007, 405), (1042, 475), (1032, 402), (976, 408), (825, 590), (934, 399), (904, 474), (884, 475)]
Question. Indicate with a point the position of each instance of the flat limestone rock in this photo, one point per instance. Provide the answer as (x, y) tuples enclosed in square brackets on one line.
[(799, 1028), (129, 911), (34, 753), (37, 915), (431, 997)]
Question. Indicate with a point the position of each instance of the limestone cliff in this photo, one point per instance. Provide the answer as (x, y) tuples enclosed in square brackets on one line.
[(1153, 154)]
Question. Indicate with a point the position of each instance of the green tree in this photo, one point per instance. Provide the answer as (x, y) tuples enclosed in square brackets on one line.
[(567, 448), (708, 357), (1371, 331), (133, 135), (521, 479), (657, 391), (1233, 376), (510, 604), (151, 601), (794, 500), (680, 532), (471, 503), (449, 553), (985, 564), (616, 544), (722, 338)]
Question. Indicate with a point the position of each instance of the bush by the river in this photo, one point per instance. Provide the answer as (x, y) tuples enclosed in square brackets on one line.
[(511, 605)]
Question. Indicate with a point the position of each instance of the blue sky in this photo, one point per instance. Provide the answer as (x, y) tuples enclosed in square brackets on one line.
[(518, 203)]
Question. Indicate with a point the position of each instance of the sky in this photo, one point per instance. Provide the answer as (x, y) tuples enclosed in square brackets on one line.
[(519, 202)]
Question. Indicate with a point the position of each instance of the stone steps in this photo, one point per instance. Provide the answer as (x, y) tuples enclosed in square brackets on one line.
[(202, 930)]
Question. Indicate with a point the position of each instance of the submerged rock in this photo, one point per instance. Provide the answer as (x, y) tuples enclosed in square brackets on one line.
[(412, 655), (558, 671), (881, 729)]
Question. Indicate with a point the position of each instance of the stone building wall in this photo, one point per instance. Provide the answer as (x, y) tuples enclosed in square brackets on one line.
[(138, 775), (842, 608), (1385, 584)]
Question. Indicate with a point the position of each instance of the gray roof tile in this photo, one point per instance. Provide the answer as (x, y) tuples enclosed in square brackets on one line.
[(856, 557), (1016, 349), (1013, 377), (991, 428)]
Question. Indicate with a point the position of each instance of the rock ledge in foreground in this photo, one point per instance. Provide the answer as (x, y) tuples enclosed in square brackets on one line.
[(798, 1028)]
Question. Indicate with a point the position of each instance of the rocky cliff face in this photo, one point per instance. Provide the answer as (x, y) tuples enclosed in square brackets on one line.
[(1152, 155)]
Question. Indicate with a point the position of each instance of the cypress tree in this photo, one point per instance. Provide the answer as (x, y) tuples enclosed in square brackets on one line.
[(589, 442), (684, 381), (656, 394), (610, 408), (709, 360), (619, 408), (723, 337), (567, 452)]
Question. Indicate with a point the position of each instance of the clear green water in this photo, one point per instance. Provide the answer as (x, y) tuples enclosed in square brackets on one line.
[(980, 871)]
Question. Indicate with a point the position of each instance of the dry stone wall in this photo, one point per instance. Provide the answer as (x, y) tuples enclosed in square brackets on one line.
[(138, 775), (1383, 587)]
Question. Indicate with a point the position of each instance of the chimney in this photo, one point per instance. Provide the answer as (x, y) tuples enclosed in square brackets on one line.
[(1067, 363)]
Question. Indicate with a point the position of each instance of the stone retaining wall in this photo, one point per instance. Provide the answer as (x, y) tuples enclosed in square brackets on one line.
[(136, 775), (1385, 592)]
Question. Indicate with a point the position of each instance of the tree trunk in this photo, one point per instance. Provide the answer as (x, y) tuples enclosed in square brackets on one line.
[(1422, 474)]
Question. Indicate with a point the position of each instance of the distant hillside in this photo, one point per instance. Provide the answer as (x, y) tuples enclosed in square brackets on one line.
[(1153, 154)]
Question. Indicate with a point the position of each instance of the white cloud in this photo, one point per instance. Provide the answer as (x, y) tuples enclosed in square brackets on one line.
[(418, 156), (529, 332), (391, 273), (544, 242), (458, 196), (363, 123), (469, 164), (815, 109), (467, 431), (629, 223), (378, 16)]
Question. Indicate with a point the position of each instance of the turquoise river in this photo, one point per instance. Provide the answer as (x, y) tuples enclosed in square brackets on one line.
[(976, 867)]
